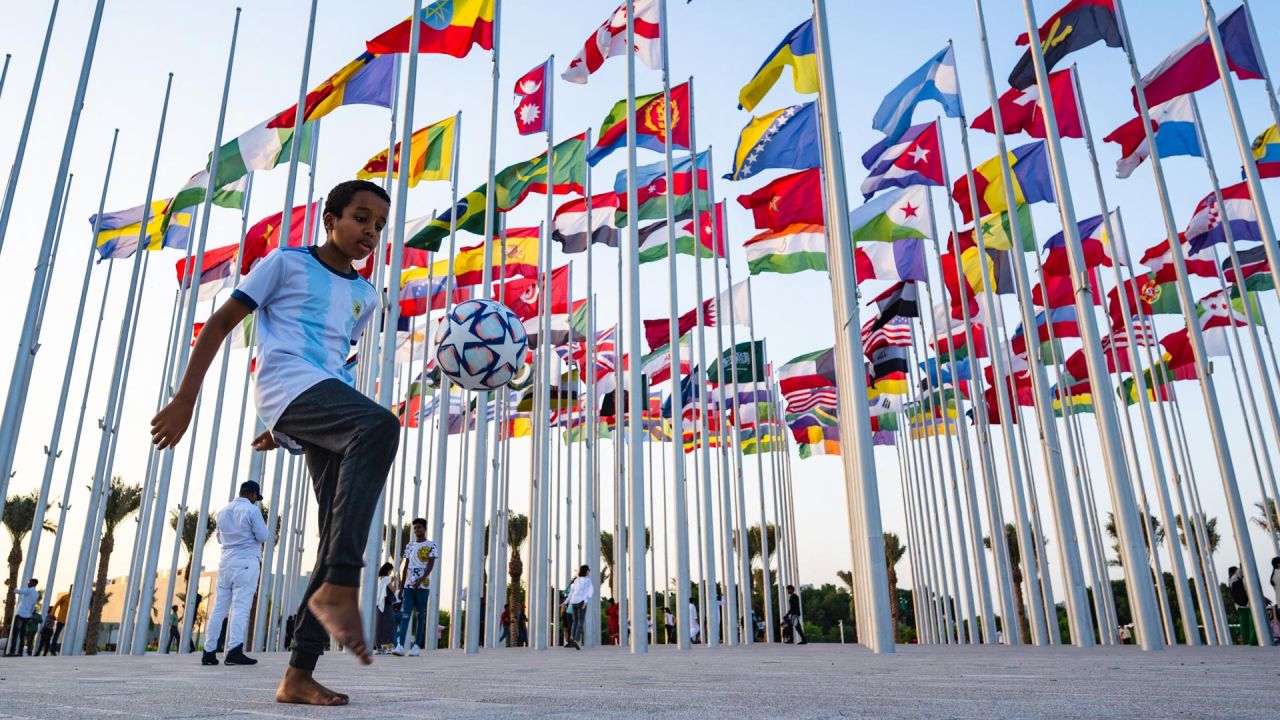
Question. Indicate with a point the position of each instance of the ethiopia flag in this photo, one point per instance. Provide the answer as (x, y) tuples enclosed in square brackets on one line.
[(651, 129), (449, 27), (430, 155)]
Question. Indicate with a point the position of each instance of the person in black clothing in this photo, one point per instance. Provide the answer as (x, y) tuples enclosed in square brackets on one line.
[(793, 615), (175, 640)]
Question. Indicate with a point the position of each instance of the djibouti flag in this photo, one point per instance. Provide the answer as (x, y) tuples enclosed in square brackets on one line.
[(895, 215)]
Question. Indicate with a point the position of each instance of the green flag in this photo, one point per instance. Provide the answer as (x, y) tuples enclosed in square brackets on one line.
[(744, 358)]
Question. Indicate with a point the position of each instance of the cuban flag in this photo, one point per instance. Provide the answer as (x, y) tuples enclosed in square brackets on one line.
[(1237, 211), (1174, 126), (915, 159)]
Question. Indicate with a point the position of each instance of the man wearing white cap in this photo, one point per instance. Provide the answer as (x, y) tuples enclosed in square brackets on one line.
[(241, 533)]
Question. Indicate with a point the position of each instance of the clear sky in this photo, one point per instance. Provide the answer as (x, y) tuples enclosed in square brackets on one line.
[(720, 43)]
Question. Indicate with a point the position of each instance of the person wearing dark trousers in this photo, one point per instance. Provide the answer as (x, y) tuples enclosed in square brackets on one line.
[(46, 635), (175, 635), (311, 309), (580, 592), (26, 597), (793, 616)]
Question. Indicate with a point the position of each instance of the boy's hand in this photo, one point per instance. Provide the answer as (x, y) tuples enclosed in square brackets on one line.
[(170, 424), (264, 442)]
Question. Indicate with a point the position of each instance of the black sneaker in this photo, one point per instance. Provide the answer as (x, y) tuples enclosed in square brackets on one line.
[(236, 656), (210, 658)]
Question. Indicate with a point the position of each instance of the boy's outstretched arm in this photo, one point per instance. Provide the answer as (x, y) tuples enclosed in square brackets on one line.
[(170, 424)]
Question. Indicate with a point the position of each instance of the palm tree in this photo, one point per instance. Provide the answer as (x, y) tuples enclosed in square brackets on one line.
[(606, 554), (754, 552), (122, 501), (1268, 516), (406, 532), (1015, 560), (1210, 532), (846, 579), (893, 552), (19, 516), (189, 525), (1156, 529), (517, 533)]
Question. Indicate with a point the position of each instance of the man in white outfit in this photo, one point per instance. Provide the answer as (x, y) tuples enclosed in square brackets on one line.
[(241, 533), (579, 594)]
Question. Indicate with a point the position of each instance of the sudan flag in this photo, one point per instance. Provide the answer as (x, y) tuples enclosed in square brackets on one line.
[(1079, 24), (449, 27)]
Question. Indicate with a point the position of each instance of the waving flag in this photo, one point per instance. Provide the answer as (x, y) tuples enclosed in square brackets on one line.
[(1266, 152), (935, 80), (430, 156), (902, 213), (789, 200), (783, 139), (793, 249), (531, 101), (610, 39), (448, 27), (1057, 323), (710, 243), (367, 80), (998, 231), (1160, 259), (468, 263), (892, 261), (264, 236), (1192, 67), (900, 300), (420, 292), (1023, 111), (571, 221), (797, 51), (1149, 294), (1032, 181), (1174, 126), (812, 370), (1094, 243), (1055, 291), (651, 189), (1077, 25), (1253, 263), (915, 159), (651, 129), (259, 148), (1237, 211), (215, 271)]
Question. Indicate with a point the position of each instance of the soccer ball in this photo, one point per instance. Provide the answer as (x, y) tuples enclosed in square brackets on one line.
[(481, 345)]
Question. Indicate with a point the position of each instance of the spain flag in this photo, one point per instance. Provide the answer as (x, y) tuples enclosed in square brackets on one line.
[(449, 27)]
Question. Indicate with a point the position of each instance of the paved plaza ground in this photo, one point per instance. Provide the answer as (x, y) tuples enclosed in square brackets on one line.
[(759, 681)]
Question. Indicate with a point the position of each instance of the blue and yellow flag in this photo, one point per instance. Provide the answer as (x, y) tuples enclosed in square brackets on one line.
[(796, 50), (783, 139), (119, 232), (1266, 152)]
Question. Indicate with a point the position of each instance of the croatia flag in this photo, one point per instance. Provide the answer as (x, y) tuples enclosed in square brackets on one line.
[(1236, 211)]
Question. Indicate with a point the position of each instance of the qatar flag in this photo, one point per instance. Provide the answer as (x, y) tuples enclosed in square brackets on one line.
[(531, 101)]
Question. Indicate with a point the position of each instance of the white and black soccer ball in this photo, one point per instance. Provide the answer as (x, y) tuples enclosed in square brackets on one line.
[(481, 345)]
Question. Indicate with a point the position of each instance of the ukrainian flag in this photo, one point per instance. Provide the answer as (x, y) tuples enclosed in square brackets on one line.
[(795, 50), (118, 232)]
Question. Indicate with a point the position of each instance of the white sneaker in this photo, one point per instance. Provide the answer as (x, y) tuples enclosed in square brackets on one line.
[(414, 651), (398, 651)]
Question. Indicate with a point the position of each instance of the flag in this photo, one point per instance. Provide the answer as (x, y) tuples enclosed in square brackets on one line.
[(367, 80), (531, 101), (216, 270), (792, 249), (914, 159), (998, 234), (1217, 314), (1174, 125), (514, 183), (260, 148), (1253, 262), (1094, 243), (1159, 258), (1077, 25), (420, 292), (653, 239), (811, 370), (797, 51), (521, 259), (896, 215), (1150, 294), (1192, 67), (896, 331), (935, 80), (658, 332), (1022, 110), (1057, 291), (264, 236), (783, 139), (1206, 226), (610, 39), (118, 232), (900, 300), (741, 364), (651, 129), (570, 223), (428, 232), (888, 369), (197, 187), (789, 200), (735, 300), (657, 364), (1266, 152), (951, 334), (1032, 181), (430, 155), (1057, 323), (893, 261), (448, 27), (651, 189)]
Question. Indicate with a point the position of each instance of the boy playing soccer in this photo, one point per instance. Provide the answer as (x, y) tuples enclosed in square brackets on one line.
[(312, 307)]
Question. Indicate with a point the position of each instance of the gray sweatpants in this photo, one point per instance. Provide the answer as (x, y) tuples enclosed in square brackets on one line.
[(350, 445)]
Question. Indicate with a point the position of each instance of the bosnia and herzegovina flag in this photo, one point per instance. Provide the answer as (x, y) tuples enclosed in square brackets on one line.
[(785, 139), (449, 27), (1079, 24), (367, 80), (118, 233), (1032, 181), (795, 50)]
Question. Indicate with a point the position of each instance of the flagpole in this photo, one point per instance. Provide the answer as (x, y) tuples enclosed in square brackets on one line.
[(1225, 464), (765, 575), (441, 449), (4, 73), (867, 541), (591, 500), (933, 544), (15, 169), (268, 582), (255, 463)]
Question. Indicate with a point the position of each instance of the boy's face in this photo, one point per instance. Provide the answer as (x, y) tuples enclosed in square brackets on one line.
[(355, 233)]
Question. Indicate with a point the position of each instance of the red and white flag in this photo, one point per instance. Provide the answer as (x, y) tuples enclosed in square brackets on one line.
[(1023, 110), (610, 39), (531, 101)]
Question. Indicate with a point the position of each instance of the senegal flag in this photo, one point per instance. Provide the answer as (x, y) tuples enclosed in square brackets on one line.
[(449, 27), (430, 155)]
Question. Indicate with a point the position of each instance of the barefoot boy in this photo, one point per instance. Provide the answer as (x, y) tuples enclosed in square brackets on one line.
[(312, 307)]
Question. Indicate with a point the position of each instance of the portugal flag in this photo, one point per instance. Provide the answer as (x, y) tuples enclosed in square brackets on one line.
[(1079, 24), (449, 27)]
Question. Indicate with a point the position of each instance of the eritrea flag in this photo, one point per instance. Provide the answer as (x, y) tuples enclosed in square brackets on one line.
[(651, 129), (1077, 25)]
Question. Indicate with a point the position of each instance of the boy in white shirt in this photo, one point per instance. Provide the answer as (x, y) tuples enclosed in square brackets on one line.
[(311, 309), (415, 577)]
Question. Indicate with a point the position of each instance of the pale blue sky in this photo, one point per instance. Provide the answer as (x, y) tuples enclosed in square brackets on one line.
[(718, 42)]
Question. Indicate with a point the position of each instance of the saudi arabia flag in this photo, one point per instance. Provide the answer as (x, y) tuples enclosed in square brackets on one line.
[(790, 250), (895, 215), (260, 148)]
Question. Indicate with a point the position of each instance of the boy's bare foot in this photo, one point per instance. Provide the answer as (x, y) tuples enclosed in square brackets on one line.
[(337, 609), (300, 688)]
